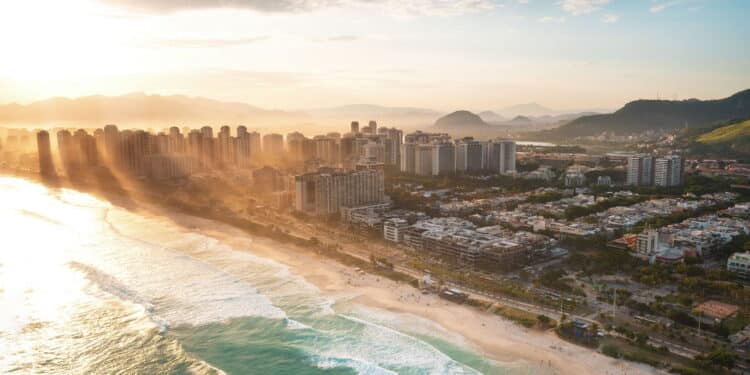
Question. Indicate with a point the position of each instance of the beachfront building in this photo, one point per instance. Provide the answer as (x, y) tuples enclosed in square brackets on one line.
[(325, 192), (393, 229)]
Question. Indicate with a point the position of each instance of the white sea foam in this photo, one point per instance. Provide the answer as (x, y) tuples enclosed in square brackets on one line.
[(361, 367), (226, 274), (182, 291), (295, 325), (176, 277), (390, 348), (409, 323), (270, 278)]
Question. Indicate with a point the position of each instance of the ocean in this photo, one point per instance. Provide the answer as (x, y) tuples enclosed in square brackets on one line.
[(87, 287)]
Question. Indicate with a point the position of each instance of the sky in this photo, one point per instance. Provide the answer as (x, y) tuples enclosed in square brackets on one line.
[(438, 54)]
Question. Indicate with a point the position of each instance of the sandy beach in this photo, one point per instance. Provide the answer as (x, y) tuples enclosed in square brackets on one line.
[(495, 337)]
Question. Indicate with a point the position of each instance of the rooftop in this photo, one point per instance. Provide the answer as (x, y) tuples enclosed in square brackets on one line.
[(716, 309)]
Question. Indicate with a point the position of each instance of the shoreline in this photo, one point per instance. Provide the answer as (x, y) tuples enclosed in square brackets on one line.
[(491, 336), (507, 342)]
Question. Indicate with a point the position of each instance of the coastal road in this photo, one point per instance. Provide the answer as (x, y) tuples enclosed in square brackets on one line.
[(363, 251)]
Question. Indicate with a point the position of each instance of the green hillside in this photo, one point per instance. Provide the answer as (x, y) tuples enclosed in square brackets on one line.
[(727, 139), (726, 133), (643, 115)]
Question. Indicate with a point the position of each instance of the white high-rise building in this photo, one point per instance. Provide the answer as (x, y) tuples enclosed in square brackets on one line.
[(326, 193), (502, 156), (443, 159), (640, 170), (668, 171), (470, 155), (326, 149), (423, 160), (243, 147), (374, 152), (648, 242), (393, 146), (254, 139), (273, 145), (408, 157)]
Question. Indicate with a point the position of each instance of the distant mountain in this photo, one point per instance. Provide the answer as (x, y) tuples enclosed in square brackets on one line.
[(490, 116), (387, 116), (460, 120), (520, 120), (360, 109), (528, 109), (139, 109), (642, 115), (563, 117)]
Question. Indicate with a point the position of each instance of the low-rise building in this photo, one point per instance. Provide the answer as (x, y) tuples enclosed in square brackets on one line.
[(714, 312), (739, 264), (460, 242), (366, 216), (393, 229), (741, 339)]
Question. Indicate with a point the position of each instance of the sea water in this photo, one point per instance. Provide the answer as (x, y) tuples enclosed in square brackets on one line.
[(87, 287)]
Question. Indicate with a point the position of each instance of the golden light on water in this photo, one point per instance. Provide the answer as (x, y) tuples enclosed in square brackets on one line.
[(38, 237)]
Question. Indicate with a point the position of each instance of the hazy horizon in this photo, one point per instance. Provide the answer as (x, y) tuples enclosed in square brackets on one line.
[(435, 54), (514, 108)]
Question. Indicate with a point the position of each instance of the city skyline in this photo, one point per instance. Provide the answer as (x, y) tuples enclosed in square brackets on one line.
[(567, 55)]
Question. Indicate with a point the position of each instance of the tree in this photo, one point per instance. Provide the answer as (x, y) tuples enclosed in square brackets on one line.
[(721, 358), (543, 320)]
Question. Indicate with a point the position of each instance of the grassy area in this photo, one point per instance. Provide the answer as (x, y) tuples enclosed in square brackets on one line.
[(726, 133), (522, 317), (619, 348), (508, 288), (737, 323)]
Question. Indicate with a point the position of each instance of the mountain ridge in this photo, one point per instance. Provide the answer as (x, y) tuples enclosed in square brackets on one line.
[(460, 119), (138, 107), (647, 114)]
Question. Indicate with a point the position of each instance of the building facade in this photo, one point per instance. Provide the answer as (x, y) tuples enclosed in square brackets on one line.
[(443, 159), (668, 171), (640, 170), (324, 193)]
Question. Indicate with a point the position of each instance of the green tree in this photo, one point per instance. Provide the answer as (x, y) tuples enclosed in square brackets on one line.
[(721, 358)]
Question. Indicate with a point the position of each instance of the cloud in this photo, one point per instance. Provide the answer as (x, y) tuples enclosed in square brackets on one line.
[(205, 43), (343, 38), (610, 18), (663, 5), (551, 19), (576, 7), (403, 7), (168, 6), (429, 7)]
